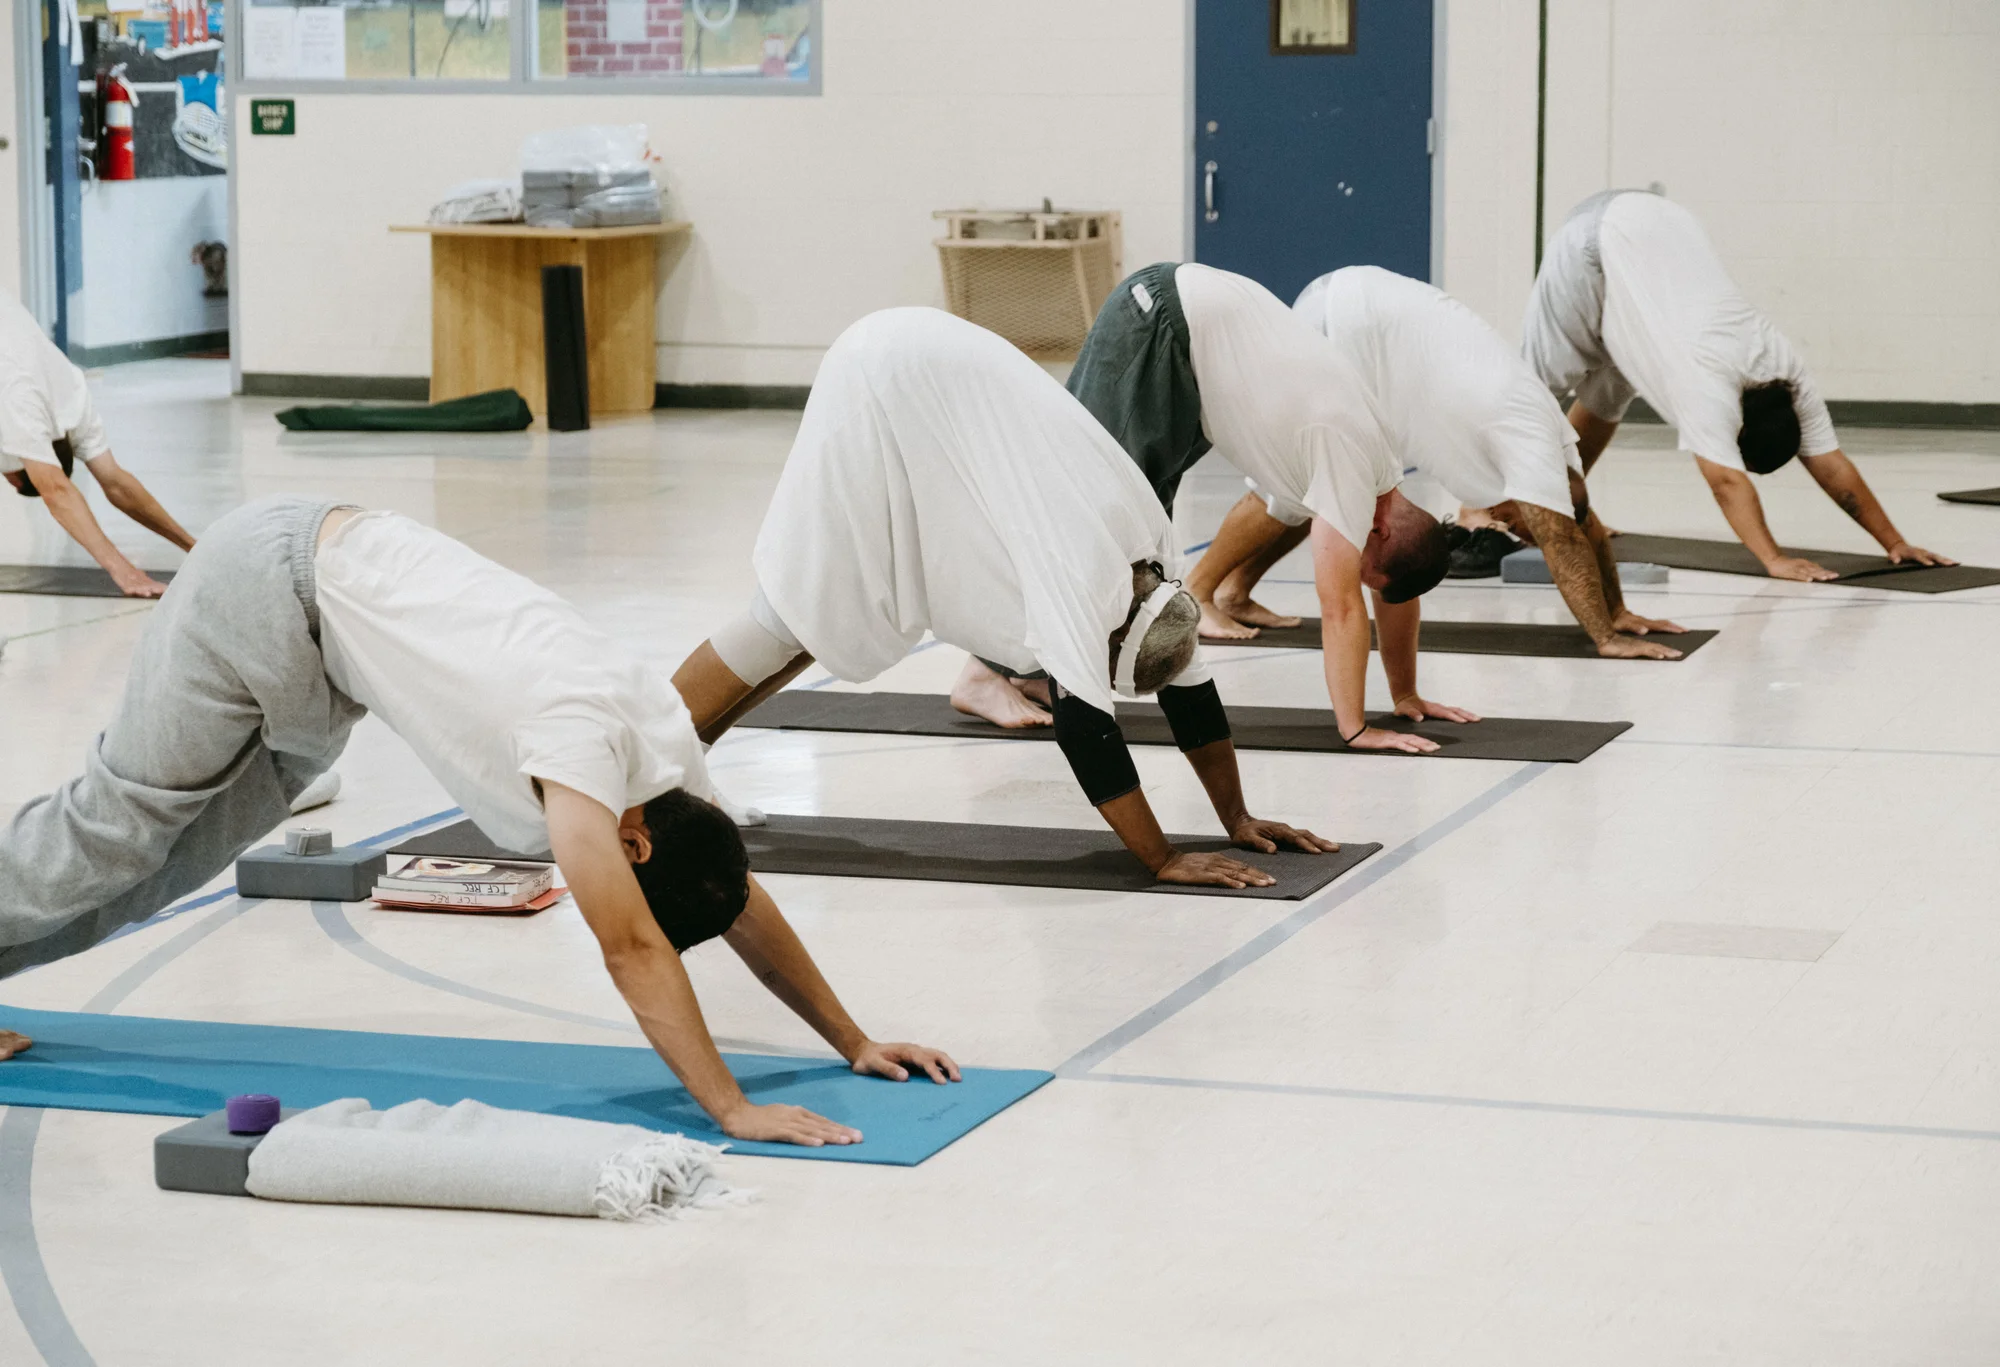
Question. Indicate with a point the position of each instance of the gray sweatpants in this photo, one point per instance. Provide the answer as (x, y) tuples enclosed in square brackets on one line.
[(227, 716), (1562, 337)]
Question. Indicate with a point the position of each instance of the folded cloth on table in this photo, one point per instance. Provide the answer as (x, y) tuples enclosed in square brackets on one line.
[(589, 198), (480, 201), (477, 1157)]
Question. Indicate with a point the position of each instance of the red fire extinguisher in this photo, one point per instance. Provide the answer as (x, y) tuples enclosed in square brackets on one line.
[(118, 101)]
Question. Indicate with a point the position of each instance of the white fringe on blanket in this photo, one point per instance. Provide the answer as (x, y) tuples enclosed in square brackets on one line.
[(476, 1157)]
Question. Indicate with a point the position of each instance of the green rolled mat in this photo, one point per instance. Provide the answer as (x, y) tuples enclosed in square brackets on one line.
[(497, 410)]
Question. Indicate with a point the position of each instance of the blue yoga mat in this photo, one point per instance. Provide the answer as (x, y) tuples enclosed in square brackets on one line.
[(139, 1064)]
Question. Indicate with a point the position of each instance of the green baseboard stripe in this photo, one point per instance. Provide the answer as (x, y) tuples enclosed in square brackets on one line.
[(730, 395), (91, 357), (1883, 413), (1899, 413), (263, 384)]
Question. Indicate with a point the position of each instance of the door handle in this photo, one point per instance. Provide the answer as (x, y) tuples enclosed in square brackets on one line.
[(1208, 193)]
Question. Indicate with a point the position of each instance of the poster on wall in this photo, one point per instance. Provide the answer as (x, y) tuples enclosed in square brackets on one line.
[(281, 43)]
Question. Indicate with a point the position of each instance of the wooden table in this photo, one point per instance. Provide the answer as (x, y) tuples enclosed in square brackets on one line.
[(486, 308)]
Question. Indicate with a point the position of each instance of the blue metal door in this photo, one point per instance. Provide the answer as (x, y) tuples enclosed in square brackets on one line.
[(1308, 159)]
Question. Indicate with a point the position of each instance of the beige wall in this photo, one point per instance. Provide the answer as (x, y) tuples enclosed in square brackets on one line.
[(1845, 158), (1843, 155), (808, 212)]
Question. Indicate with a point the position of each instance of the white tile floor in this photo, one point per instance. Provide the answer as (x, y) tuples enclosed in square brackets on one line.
[(1518, 1091)]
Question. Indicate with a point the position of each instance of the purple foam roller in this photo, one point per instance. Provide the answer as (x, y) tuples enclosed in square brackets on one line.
[(252, 1114)]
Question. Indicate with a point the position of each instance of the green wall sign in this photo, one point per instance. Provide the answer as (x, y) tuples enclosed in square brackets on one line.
[(277, 117)]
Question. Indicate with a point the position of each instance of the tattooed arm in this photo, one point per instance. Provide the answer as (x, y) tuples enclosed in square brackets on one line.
[(1587, 584), (1836, 474)]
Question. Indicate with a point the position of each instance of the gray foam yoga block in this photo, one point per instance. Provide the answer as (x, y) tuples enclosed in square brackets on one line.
[(204, 1156), (347, 874), (1528, 567)]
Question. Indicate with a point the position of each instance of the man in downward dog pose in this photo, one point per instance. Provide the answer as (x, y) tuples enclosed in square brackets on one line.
[(290, 621), (1184, 356), (1471, 426), (47, 424), (1632, 300), (942, 481)]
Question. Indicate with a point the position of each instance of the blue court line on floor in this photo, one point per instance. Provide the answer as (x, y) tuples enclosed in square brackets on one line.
[(1487, 1103), (1342, 892), (22, 1270), (1198, 546)]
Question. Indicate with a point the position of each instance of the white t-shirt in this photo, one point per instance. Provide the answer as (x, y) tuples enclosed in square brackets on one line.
[(943, 481), (494, 681), (1283, 404), (1681, 332), (1470, 421), (43, 396)]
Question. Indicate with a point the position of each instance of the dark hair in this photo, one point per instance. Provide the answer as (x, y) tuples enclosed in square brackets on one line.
[(1770, 433), (65, 455), (698, 878), (1412, 554)]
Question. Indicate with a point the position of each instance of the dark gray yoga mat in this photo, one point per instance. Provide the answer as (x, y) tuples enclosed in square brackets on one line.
[(68, 581), (1863, 571), (1310, 729), (1543, 641), (962, 852), (1989, 497)]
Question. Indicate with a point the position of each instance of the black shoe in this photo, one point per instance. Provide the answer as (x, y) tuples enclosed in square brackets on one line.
[(1480, 556)]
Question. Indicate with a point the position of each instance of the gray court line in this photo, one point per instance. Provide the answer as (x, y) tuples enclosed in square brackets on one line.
[(1348, 888), (71, 626), (332, 918), (1810, 749), (21, 1267), (1768, 1122)]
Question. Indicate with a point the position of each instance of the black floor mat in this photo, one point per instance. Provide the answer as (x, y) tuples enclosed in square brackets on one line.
[(1256, 728), (68, 581), (1548, 642), (1989, 497), (962, 852), (1863, 571)]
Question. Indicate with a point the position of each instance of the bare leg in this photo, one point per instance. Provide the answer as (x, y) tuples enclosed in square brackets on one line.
[(1233, 594), (716, 698), (1245, 533), (1472, 519), (980, 692)]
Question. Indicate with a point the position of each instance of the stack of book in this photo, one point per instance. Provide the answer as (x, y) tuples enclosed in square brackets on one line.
[(431, 884)]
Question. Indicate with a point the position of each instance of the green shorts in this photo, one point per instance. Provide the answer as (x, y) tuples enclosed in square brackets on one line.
[(1136, 377)]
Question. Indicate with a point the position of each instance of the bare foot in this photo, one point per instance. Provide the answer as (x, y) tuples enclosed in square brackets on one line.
[(1251, 613), (980, 692), (1217, 625), (12, 1044)]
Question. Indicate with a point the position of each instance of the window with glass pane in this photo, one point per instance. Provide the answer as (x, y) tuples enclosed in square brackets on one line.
[(423, 40), (749, 40)]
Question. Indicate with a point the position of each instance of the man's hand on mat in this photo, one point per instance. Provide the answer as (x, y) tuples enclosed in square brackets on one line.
[(1903, 550), (1212, 870), (1375, 738), (1254, 834), (1798, 568), (779, 1124), (137, 584), (1633, 624), (1421, 709), (1632, 648), (889, 1060), (12, 1044)]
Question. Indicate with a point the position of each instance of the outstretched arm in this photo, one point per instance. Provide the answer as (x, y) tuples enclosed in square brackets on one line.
[(1737, 497), (1836, 474), (136, 501), (1397, 628), (66, 504), (771, 949), (1580, 575), (1344, 633), (649, 975)]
